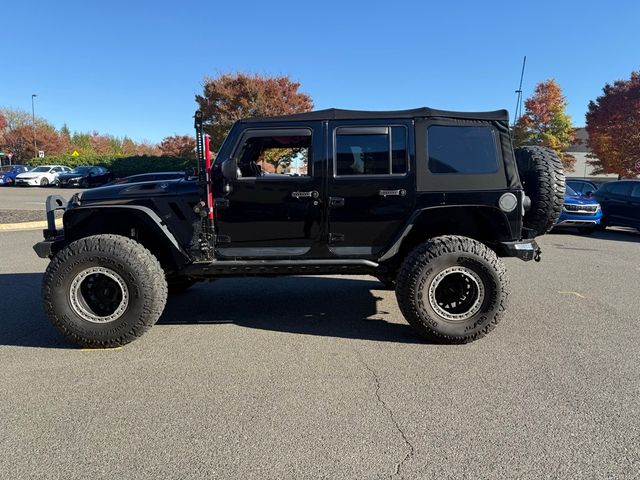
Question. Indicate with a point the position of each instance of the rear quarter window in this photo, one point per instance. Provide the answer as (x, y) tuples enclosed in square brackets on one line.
[(461, 150)]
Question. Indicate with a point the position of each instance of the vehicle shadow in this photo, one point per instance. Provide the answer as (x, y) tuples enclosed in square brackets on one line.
[(23, 322), (618, 234), (324, 306)]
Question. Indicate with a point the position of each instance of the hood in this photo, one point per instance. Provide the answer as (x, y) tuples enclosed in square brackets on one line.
[(156, 188), (71, 175), (579, 200), (28, 175)]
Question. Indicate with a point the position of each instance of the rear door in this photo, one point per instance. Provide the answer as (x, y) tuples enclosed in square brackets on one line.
[(370, 185), (633, 211), (614, 199)]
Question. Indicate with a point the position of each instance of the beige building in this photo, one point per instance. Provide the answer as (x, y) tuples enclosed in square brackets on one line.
[(580, 151)]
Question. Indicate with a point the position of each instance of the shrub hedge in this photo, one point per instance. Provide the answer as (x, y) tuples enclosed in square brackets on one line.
[(120, 165)]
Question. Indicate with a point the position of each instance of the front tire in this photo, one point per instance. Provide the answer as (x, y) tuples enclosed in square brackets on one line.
[(452, 289), (44, 182), (104, 291)]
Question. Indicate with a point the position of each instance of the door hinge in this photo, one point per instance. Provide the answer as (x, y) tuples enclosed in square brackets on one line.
[(223, 239), (336, 202), (336, 237)]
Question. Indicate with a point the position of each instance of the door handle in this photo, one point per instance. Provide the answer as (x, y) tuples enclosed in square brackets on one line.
[(311, 194), (336, 202), (392, 193)]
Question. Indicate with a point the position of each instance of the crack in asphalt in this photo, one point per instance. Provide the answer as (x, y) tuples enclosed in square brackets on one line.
[(409, 445)]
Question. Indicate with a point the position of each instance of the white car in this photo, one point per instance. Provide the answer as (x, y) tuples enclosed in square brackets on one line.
[(41, 176)]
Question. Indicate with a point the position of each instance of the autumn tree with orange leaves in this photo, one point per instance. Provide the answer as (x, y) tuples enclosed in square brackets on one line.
[(546, 123), (180, 146), (613, 125), (231, 97)]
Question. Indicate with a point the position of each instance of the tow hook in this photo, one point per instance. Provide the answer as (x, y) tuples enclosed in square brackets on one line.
[(537, 256)]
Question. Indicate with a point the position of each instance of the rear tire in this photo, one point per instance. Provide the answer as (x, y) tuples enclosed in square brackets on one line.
[(542, 176), (452, 289), (104, 290)]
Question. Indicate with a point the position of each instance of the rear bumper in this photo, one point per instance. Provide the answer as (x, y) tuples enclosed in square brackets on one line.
[(524, 250)]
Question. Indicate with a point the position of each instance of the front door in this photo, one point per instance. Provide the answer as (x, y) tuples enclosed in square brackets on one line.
[(370, 185), (274, 208)]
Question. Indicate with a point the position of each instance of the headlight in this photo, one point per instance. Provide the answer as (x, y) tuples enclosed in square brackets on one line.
[(598, 208)]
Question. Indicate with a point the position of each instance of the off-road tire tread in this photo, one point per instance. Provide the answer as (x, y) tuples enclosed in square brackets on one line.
[(542, 175), (420, 257), (132, 253)]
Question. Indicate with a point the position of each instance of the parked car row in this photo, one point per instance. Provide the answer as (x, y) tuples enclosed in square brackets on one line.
[(588, 206), (54, 175)]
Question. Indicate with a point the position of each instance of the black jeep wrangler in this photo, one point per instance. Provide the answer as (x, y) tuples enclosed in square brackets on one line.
[(425, 200)]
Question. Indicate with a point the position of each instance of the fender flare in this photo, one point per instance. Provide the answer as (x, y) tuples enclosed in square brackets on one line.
[(408, 227), (146, 212)]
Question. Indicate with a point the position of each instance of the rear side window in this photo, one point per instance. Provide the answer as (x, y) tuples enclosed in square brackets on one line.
[(462, 150), (371, 151), (621, 188)]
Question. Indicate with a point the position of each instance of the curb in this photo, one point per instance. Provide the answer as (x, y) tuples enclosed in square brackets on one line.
[(16, 227)]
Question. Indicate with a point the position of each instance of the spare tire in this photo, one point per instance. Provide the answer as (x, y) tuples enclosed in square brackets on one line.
[(542, 176)]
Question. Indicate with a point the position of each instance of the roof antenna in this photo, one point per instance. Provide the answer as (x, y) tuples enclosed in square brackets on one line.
[(518, 111)]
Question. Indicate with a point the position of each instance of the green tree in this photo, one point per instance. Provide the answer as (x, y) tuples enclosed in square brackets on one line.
[(613, 125), (231, 97), (545, 122)]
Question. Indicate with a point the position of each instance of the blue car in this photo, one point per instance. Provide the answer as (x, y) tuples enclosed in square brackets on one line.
[(579, 211), (8, 173)]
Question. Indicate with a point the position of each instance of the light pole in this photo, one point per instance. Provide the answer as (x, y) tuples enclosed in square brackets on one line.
[(33, 122)]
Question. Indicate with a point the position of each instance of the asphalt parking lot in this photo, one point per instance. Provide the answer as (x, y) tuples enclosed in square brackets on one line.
[(30, 198), (320, 377)]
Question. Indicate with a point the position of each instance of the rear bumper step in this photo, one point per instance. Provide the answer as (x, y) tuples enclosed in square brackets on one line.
[(524, 250)]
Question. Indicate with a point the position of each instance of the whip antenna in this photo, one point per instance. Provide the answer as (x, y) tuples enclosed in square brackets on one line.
[(518, 111)]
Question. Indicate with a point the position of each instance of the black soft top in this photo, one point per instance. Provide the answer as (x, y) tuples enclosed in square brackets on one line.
[(339, 114)]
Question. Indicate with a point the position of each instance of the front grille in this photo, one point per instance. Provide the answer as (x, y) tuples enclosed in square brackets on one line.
[(586, 209)]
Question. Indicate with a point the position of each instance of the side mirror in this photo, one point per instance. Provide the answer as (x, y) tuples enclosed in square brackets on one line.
[(230, 169)]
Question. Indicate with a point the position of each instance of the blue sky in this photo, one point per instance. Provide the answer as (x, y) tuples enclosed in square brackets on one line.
[(133, 67)]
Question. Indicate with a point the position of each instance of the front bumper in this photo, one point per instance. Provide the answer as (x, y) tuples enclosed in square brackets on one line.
[(53, 238), (579, 219), (32, 182), (69, 182), (524, 250)]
